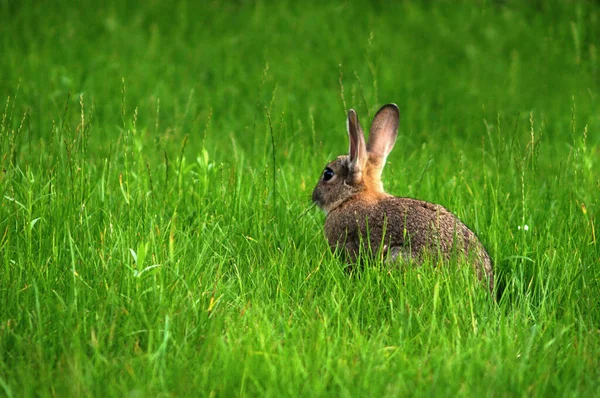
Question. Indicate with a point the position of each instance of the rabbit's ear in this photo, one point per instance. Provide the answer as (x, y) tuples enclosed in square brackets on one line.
[(384, 131), (357, 152)]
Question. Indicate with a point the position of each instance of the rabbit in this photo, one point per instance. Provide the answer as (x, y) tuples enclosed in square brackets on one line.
[(357, 208)]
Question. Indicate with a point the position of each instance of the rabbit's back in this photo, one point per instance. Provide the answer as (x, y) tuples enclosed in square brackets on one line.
[(405, 227)]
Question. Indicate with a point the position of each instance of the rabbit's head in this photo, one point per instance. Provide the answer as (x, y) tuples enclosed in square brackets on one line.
[(359, 172)]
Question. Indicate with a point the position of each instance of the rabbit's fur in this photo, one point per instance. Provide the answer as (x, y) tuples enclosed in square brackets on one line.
[(360, 211)]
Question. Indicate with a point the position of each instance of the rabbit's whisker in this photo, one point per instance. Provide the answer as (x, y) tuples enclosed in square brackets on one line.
[(309, 208)]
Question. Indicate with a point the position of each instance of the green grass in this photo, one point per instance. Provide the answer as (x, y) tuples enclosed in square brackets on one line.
[(157, 161)]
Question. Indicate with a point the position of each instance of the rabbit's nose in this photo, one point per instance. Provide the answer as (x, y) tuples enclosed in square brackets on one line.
[(316, 197)]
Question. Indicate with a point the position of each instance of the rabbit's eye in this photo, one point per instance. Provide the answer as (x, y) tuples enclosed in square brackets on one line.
[(327, 174)]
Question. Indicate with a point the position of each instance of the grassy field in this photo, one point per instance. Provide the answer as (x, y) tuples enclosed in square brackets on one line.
[(157, 161)]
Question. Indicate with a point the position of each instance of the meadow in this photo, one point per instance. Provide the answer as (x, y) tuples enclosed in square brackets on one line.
[(156, 165)]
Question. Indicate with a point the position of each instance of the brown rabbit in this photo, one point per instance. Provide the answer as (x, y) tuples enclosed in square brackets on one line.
[(359, 210)]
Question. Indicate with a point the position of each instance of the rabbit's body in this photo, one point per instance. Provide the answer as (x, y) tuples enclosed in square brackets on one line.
[(359, 211), (404, 229)]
